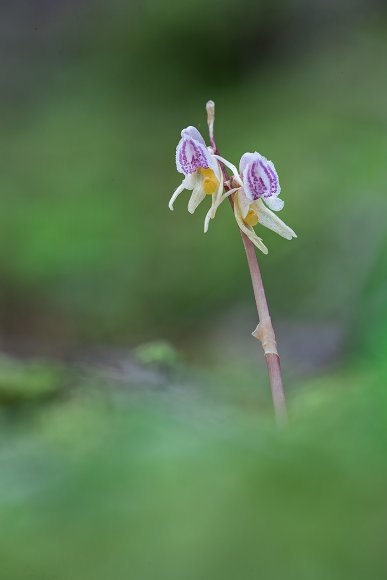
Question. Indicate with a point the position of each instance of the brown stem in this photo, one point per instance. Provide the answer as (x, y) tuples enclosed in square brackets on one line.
[(272, 359)]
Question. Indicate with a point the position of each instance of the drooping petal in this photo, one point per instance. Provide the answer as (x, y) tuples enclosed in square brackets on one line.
[(244, 203), (175, 195), (218, 195), (248, 230), (270, 220), (230, 166), (216, 200), (226, 195), (197, 196), (187, 183), (210, 215)]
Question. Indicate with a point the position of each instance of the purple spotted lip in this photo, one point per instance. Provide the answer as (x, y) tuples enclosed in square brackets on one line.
[(191, 152), (259, 176)]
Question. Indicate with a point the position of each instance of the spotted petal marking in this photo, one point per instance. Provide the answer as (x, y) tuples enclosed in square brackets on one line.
[(259, 176), (191, 152)]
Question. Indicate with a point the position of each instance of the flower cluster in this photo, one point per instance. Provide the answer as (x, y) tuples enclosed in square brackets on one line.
[(255, 187)]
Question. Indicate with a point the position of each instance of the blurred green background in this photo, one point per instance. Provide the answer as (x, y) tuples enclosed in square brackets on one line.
[(137, 438)]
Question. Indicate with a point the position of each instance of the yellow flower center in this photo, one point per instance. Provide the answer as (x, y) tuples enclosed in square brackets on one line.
[(210, 182), (252, 218)]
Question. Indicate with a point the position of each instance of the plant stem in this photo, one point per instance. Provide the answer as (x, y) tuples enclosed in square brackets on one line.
[(272, 358)]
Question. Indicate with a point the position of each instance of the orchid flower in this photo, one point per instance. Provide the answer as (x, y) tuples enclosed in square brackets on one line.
[(201, 170), (257, 184)]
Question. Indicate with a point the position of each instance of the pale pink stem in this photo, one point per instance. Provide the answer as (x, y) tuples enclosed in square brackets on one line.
[(272, 360)]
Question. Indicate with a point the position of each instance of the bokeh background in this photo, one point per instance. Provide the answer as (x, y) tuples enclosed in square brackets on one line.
[(135, 408)]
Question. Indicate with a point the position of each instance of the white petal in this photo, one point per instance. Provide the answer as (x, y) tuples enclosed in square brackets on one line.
[(209, 216), (190, 181), (244, 203), (270, 220), (274, 203), (197, 196), (214, 165), (227, 194), (217, 199), (248, 230), (230, 166), (185, 184), (193, 133), (245, 160), (217, 170)]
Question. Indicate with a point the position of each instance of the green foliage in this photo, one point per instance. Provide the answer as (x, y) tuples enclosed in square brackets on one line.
[(90, 491), (157, 353), (22, 383)]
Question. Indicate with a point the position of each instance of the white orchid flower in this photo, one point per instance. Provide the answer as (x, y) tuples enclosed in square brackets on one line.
[(203, 175), (257, 184)]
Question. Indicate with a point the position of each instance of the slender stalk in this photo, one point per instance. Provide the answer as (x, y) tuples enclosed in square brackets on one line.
[(265, 331)]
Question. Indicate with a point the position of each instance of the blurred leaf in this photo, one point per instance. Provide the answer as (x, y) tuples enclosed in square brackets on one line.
[(159, 353), (23, 382)]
